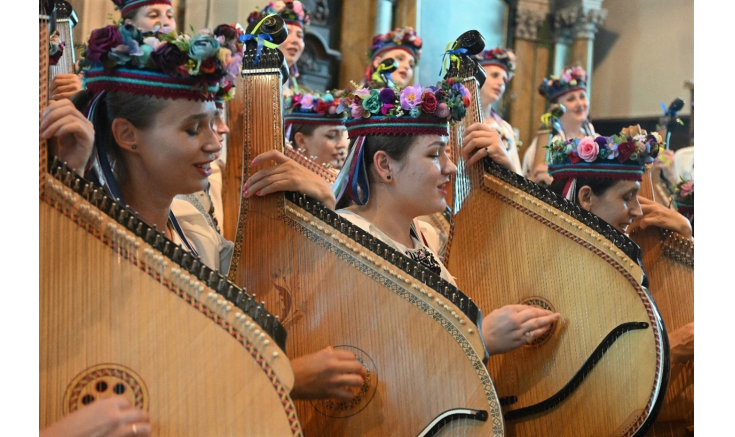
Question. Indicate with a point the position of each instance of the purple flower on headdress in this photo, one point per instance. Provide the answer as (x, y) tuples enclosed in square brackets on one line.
[(101, 41), (387, 96), (613, 147), (411, 96), (307, 102), (356, 109), (168, 58)]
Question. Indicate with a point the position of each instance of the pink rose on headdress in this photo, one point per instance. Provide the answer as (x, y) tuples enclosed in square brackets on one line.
[(442, 111), (411, 97), (566, 76), (588, 149), (356, 109), (687, 189), (298, 8)]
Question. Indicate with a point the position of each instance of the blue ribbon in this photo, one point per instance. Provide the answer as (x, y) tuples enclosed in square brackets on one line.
[(451, 53), (261, 39)]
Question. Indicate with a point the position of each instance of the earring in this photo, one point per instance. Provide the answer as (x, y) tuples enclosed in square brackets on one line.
[(133, 147), (389, 177)]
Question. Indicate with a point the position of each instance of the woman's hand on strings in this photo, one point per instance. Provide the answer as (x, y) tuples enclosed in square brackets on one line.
[(71, 134), (482, 141), (329, 373), (63, 86), (655, 214), (110, 417), (513, 326), (286, 175)]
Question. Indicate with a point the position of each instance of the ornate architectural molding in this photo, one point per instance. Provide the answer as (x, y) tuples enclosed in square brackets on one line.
[(530, 15), (583, 20)]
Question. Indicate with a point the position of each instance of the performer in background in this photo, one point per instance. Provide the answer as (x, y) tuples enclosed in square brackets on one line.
[(297, 19), (314, 125), (569, 89), (499, 64), (403, 45)]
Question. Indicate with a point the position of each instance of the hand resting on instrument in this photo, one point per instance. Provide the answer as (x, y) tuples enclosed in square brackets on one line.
[(506, 328), (286, 175), (71, 135), (482, 141), (328, 373), (655, 214), (110, 417), (63, 86)]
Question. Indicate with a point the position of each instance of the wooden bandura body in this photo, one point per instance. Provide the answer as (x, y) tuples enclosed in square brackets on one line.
[(600, 370), (333, 284), (125, 311), (668, 258)]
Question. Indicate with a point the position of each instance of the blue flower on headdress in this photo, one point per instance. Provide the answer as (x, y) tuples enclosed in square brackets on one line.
[(203, 46)]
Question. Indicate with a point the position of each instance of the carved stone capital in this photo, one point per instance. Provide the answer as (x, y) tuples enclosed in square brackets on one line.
[(530, 15), (583, 21)]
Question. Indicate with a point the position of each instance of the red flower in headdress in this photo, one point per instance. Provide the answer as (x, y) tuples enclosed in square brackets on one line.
[(625, 150)]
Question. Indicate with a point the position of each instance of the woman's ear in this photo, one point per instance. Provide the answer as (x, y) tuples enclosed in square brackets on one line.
[(585, 198), (125, 134), (376, 61), (382, 166), (300, 139)]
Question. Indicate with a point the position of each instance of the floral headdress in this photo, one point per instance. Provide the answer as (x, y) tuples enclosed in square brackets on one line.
[(127, 6), (413, 110), (202, 67), (684, 198), (291, 11), (56, 48), (621, 157), (313, 109), (169, 65), (572, 78), (503, 58), (399, 38)]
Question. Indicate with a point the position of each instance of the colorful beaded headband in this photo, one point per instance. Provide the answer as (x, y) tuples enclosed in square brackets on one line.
[(572, 78), (292, 12), (201, 67), (619, 157), (127, 6), (503, 58), (413, 110)]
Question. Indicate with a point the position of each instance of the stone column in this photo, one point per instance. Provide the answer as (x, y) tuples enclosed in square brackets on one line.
[(526, 105), (582, 21)]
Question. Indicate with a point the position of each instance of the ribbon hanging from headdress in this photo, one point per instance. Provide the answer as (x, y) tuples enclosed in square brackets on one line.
[(452, 58), (352, 179)]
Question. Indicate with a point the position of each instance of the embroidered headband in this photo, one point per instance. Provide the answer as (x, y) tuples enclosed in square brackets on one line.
[(127, 6), (572, 78), (404, 38), (503, 58), (413, 110)]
